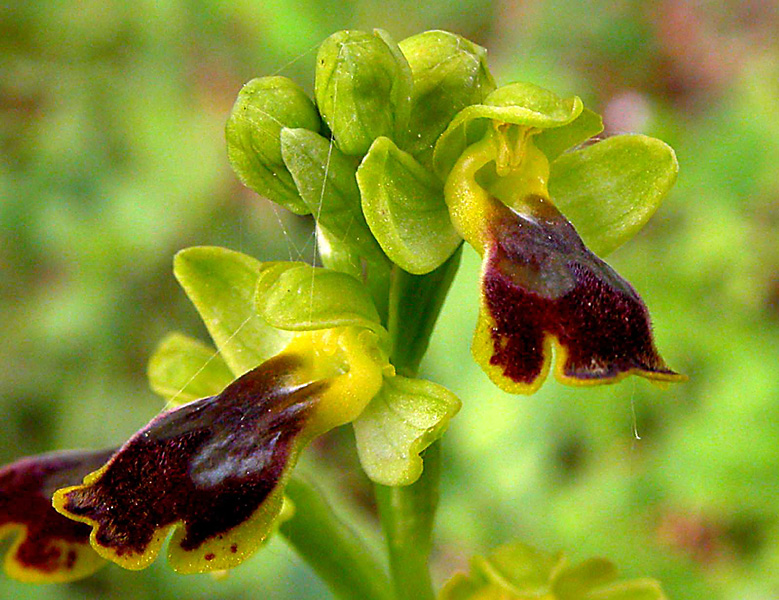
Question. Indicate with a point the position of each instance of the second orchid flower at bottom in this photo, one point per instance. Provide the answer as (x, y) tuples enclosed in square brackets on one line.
[(213, 470)]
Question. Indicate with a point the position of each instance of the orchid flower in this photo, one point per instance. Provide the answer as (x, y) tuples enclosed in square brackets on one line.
[(212, 471), (541, 287)]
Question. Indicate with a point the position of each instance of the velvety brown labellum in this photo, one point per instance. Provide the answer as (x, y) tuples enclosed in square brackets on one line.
[(541, 280), (26, 488), (209, 464)]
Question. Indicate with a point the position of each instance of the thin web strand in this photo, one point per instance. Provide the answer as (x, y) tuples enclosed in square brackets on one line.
[(289, 239), (322, 197), (216, 353)]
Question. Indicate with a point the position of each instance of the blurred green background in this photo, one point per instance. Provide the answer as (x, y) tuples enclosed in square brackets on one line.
[(112, 158)]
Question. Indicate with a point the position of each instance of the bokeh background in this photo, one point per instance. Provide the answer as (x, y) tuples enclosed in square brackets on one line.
[(112, 159)]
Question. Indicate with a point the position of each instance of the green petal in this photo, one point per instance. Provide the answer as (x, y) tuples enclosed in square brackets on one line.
[(182, 369), (221, 284), (298, 297), (363, 88), (610, 190), (518, 103), (639, 589), (325, 178), (553, 142), (263, 107), (405, 208), (449, 74), (400, 422), (519, 568)]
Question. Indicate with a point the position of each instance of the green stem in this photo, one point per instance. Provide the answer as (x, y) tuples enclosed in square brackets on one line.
[(408, 513), (331, 548), (414, 305), (407, 516)]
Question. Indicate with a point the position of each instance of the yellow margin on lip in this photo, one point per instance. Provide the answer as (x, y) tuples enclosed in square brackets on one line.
[(483, 346), (482, 349), (128, 560), (87, 561), (561, 356)]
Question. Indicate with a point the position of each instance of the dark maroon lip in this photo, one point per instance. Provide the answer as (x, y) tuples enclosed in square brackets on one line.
[(540, 280), (209, 464), (26, 488)]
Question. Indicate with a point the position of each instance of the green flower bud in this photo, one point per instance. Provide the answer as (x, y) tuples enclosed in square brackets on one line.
[(363, 87), (449, 74), (264, 106)]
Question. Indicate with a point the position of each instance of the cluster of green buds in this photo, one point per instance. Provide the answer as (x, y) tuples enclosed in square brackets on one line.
[(407, 150)]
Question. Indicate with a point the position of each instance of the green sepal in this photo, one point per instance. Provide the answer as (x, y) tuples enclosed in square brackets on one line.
[(404, 418), (183, 369), (450, 73), (221, 284), (263, 107), (517, 572), (363, 88), (325, 178), (405, 208), (522, 104), (299, 297), (610, 190), (553, 142)]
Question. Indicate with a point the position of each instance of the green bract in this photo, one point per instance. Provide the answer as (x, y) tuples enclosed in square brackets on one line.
[(263, 107), (183, 369), (405, 208), (517, 572), (221, 284), (363, 88), (449, 74), (518, 104), (400, 422), (610, 190)]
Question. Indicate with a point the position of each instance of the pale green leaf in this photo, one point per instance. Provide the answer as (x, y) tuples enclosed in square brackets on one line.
[(363, 88), (298, 297), (325, 178), (637, 589), (522, 104), (553, 142), (450, 73), (263, 107)]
